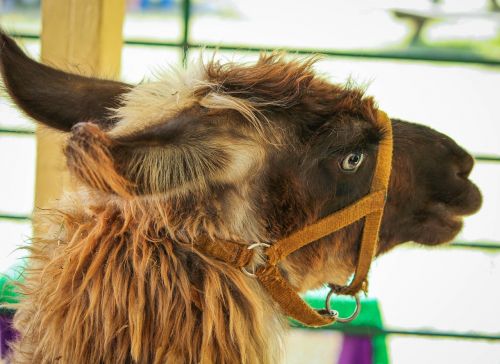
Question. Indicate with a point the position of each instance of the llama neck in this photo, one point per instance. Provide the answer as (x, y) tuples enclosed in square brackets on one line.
[(116, 277), (227, 213)]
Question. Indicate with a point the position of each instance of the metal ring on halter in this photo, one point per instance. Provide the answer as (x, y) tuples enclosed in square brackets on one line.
[(335, 313), (250, 247)]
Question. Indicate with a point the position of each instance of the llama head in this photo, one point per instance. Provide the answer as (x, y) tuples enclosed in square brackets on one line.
[(263, 149)]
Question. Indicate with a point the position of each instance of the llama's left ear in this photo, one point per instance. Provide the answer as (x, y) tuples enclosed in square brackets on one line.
[(55, 98)]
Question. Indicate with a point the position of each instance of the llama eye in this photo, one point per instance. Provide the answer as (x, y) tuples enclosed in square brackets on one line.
[(352, 161)]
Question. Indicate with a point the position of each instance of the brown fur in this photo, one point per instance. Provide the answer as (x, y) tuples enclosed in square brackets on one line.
[(130, 299), (248, 153)]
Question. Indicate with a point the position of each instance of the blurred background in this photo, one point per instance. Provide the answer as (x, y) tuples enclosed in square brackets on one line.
[(431, 62)]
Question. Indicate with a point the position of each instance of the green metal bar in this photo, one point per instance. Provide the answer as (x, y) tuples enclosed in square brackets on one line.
[(455, 244), (152, 43), (375, 331), (479, 158), (487, 158), (429, 55), (474, 245), (15, 217), (186, 16), (16, 131), (405, 55), (25, 35)]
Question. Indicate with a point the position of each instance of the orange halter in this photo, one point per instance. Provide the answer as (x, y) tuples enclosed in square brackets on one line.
[(268, 274)]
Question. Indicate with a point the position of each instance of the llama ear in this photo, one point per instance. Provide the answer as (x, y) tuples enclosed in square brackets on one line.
[(55, 98), (187, 151)]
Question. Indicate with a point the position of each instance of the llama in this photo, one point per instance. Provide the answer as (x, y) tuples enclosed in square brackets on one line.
[(240, 153)]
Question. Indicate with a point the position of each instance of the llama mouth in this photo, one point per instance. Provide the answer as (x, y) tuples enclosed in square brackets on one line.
[(462, 198), (439, 227), (472, 200), (443, 221)]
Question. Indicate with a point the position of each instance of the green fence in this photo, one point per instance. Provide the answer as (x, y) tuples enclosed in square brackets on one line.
[(407, 54)]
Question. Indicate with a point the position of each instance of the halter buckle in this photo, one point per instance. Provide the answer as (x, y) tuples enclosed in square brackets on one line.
[(248, 273)]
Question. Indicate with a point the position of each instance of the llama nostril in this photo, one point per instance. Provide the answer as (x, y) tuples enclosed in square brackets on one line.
[(465, 165)]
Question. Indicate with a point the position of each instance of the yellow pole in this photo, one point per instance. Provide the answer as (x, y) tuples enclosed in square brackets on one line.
[(83, 36)]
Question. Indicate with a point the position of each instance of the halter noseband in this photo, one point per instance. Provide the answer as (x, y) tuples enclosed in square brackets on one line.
[(268, 274)]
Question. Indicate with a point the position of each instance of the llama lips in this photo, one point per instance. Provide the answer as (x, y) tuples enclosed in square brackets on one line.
[(468, 202), (439, 229), (445, 220)]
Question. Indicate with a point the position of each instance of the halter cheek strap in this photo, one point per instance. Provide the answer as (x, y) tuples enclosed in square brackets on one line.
[(371, 207)]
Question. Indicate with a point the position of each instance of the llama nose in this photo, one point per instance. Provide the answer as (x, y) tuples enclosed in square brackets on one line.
[(464, 162)]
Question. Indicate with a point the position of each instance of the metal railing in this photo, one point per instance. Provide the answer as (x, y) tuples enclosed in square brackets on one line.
[(377, 331), (408, 54)]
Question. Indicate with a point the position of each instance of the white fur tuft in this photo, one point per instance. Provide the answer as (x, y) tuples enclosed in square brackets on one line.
[(153, 103)]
